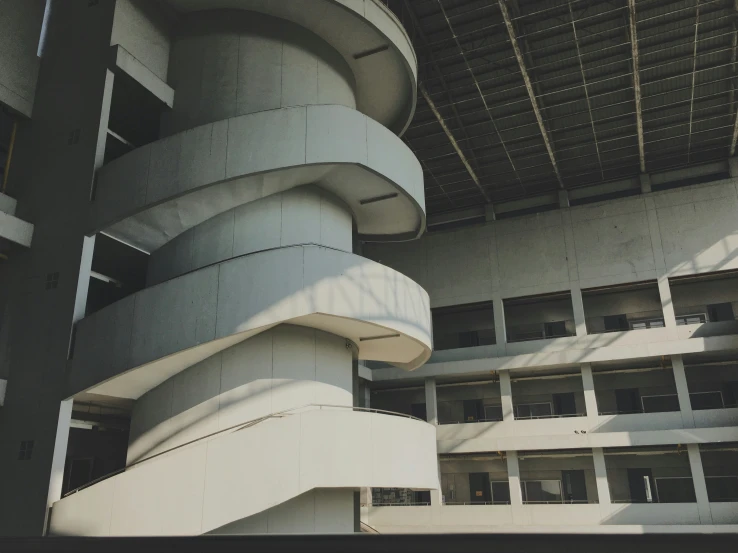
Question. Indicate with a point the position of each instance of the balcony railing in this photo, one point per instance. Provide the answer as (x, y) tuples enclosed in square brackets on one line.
[(640, 320), (540, 331)]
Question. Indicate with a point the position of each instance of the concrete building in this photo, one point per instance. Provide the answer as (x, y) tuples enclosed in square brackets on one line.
[(222, 313)]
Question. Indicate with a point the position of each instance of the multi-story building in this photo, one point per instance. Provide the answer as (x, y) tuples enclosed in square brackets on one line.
[(222, 313)]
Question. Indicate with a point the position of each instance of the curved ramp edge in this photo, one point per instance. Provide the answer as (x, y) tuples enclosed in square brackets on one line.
[(210, 484)]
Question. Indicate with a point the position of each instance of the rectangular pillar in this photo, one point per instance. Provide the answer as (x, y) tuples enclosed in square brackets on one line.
[(590, 398), (577, 304), (500, 332), (667, 307), (603, 487), (513, 478), (431, 401), (59, 457), (564, 198), (508, 415), (680, 379), (645, 180), (698, 479)]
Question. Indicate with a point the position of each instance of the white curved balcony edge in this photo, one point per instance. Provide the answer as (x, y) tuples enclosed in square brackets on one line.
[(135, 344), (353, 28), (154, 193), (199, 488)]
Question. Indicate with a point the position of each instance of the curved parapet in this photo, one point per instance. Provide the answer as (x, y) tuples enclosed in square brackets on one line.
[(158, 191), (235, 475), (133, 345), (368, 36)]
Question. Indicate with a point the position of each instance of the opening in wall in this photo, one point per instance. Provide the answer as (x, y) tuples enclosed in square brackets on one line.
[(118, 270), (134, 117), (463, 326), (539, 317)]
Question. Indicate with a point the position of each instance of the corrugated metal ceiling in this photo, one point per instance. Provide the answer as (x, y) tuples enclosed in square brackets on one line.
[(577, 123)]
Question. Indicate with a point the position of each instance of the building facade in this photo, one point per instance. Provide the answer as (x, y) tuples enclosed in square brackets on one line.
[(222, 313)]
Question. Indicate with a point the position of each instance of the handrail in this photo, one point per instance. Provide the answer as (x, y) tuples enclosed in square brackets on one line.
[(236, 428)]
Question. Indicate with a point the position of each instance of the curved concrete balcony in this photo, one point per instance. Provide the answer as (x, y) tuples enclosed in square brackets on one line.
[(366, 33), (158, 191), (241, 476), (137, 343)]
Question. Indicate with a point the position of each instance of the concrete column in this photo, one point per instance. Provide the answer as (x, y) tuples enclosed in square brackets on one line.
[(666, 303), (577, 304), (59, 458), (513, 478), (680, 379), (500, 332), (698, 479), (489, 213), (431, 401), (590, 398), (645, 179), (508, 415), (603, 488)]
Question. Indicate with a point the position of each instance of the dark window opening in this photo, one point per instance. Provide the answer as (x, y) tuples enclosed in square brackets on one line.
[(26, 450)]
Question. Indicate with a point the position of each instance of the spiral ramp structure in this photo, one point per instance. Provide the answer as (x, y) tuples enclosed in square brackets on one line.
[(241, 353)]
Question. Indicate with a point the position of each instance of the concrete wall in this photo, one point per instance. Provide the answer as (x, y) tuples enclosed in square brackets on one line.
[(144, 29), (52, 182), (284, 368), (230, 63), (305, 215), (20, 29), (202, 488), (675, 232)]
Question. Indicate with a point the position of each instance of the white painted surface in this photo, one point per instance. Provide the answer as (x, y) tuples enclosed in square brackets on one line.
[(303, 215), (284, 368), (201, 488), (173, 325), (7, 204), (385, 82), (158, 191), (16, 230), (143, 29)]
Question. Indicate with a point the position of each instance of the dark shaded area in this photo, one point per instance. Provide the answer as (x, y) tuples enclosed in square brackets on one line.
[(365, 543)]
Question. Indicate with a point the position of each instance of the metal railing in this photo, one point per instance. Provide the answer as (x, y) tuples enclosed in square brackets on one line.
[(238, 427)]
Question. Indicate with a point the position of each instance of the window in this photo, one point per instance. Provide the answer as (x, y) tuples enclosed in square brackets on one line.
[(541, 491), (628, 400), (722, 488), (500, 492), (660, 403), (26, 450), (418, 411), (493, 412), (647, 323), (720, 312), (675, 489), (52, 281), (473, 410), (555, 330), (533, 410), (616, 322), (706, 400), (691, 319)]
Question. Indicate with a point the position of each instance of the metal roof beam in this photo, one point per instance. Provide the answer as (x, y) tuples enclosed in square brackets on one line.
[(694, 77), (481, 94), (451, 139), (637, 83), (421, 34), (529, 89)]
